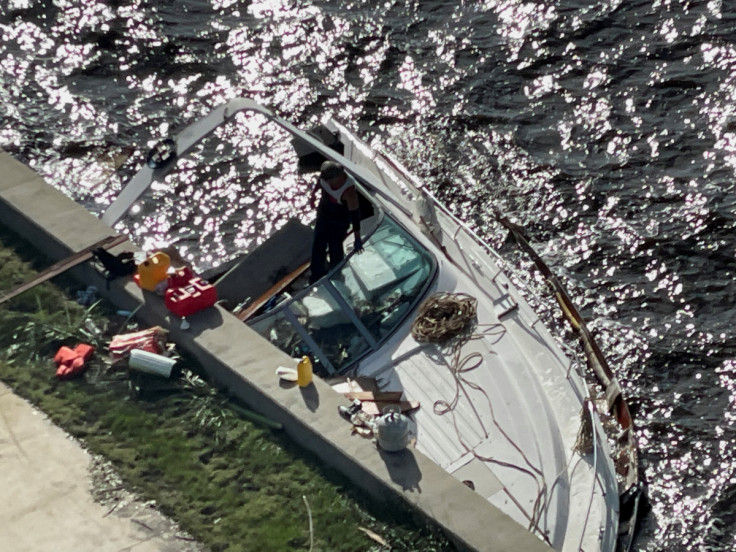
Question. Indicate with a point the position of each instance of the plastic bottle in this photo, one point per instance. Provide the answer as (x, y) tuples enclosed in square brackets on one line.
[(304, 372)]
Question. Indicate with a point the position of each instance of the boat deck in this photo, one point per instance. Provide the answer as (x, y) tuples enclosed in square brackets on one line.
[(239, 359), (490, 419)]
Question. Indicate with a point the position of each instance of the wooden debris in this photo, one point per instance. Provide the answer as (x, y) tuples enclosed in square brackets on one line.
[(375, 536)]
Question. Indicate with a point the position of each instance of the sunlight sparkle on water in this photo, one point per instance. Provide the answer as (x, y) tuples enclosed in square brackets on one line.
[(411, 80), (519, 19)]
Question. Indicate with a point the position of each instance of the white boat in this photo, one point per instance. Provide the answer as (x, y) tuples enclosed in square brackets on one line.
[(502, 407)]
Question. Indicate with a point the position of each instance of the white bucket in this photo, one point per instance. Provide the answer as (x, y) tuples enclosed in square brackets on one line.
[(151, 363)]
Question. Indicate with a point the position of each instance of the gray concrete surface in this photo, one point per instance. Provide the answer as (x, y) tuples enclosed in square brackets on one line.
[(240, 360), (46, 503)]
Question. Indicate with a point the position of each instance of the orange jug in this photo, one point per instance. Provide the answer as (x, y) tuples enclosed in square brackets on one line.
[(153, 271)]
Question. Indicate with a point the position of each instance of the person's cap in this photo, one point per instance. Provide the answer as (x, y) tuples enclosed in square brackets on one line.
[(330, 170)]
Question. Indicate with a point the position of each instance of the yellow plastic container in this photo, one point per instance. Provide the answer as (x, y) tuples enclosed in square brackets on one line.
[(153, 271), (304, 372)]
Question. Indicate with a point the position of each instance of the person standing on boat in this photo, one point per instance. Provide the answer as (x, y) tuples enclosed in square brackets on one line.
[(338, 207)]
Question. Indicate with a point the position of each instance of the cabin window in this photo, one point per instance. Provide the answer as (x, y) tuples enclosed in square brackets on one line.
[(355, 308), (382, 283)]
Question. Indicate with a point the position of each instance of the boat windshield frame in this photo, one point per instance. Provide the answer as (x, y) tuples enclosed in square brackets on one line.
[(351, 311)]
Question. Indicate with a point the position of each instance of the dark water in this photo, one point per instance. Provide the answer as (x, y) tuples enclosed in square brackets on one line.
[(607, 128)]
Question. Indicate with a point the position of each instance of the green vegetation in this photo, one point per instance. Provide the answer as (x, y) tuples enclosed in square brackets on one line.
[(230, 483)]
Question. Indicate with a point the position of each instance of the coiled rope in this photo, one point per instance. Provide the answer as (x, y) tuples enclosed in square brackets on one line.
[(448, 319), (443, 316)]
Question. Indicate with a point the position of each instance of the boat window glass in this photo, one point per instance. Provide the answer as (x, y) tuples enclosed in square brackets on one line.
[(282, 333), (385, 280), (334, 334)]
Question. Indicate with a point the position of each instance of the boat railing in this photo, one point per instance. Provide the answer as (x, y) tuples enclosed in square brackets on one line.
[(419, 188)]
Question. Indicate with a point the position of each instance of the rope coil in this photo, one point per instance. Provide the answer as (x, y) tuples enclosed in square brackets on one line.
[(443, 316), (447, 317)]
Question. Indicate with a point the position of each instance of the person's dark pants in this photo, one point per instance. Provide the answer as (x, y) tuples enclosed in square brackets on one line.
[(330, 231)]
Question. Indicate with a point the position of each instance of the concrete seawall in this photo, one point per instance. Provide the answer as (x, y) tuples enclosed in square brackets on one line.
[(237, 358)]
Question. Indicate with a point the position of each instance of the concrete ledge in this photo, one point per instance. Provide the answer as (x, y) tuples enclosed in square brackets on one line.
[(240, 360)]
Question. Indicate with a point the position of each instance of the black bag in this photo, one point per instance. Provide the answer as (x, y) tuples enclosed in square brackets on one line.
[(115, 265)]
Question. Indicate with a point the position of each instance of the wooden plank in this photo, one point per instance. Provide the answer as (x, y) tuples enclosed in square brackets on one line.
[(253, 274), (64, 265), (273, 290)]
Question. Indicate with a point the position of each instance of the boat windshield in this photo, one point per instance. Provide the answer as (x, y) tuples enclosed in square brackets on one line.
[(350, 312)]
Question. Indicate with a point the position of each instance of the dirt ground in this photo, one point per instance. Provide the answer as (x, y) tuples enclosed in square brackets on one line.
[(55, 497)]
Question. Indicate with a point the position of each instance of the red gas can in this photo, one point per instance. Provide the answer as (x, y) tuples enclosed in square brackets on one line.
[(190, 298)]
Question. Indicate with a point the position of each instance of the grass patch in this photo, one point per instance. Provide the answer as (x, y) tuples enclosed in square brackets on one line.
[(231, 484)]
